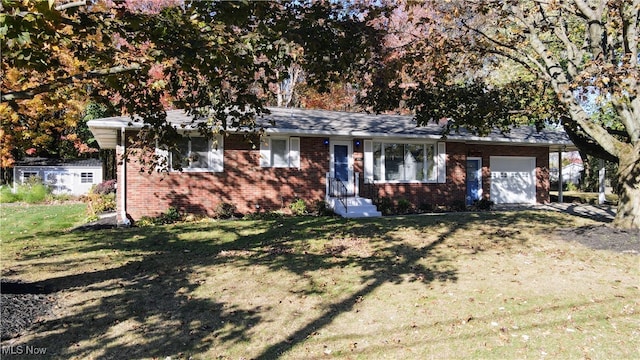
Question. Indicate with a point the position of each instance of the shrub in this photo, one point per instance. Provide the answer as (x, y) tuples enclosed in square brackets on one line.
[(267, 215), (36, 193), (145, 221), (7, 195), (97, 204), (171, 216), (458, 205), (320, 208), (385, 205), (298, 207), (484, 204), (404, 206), (425, 207), (104, 188), (224, 211), (572, 187)]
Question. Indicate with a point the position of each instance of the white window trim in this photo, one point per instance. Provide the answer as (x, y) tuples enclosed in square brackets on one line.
[(89, 175), (292, 150), (23, 178), (439, 160), (215, 157)]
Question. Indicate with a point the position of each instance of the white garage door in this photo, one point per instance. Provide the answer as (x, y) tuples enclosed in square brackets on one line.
[(513, 180)]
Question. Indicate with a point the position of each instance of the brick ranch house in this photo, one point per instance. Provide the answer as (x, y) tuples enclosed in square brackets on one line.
[(343, 158)]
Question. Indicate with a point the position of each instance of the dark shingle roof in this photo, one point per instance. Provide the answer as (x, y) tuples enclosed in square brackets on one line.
[(365, 125), (335, 123)]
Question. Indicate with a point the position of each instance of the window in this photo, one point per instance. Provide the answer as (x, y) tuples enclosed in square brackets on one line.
[(28, 174), (404, 162), (197, 154), (280, 152), (86, 178)]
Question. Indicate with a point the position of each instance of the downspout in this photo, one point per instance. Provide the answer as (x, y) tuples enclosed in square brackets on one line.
[(123, 182)]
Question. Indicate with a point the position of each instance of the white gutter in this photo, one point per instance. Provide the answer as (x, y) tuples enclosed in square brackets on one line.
[(453, 138), (119, 122)]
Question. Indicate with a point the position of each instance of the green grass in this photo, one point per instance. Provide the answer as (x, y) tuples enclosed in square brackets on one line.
[(29, 220), (583, 197), (468, 285)]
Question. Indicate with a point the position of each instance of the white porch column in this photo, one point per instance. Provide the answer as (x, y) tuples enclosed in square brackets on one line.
[(356, 186), (560, 181), (326, 186), (601, 183)]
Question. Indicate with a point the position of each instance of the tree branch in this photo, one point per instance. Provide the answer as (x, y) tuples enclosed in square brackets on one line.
[(48, 87), (71, 4), (587, 144), (573, 53)]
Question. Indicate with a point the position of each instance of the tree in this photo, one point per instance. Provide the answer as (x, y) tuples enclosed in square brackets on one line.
[(217, 60), (559, 53)]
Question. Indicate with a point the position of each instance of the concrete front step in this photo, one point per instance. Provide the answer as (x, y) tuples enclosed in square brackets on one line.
[(357, 207)]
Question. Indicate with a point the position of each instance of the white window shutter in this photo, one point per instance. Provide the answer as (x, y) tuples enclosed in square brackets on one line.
[(265, 152), (442, 163), (216, 155), (368, 160), (162, 155), (294, 152)]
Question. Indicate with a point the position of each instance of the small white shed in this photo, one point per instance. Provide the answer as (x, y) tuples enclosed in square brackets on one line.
[(73, 177)]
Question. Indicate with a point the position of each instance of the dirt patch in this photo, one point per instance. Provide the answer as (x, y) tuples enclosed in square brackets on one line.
[(603, 237), (22, 305)]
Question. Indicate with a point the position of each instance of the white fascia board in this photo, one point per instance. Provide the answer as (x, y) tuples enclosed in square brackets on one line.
[(118, 123), (113, 123), (338, 133)]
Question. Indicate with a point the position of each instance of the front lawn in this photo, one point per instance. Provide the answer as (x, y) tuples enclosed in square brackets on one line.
[(466, 285)]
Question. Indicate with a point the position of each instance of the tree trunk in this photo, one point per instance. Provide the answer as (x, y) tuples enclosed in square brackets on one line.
[(628, 216), (586, 176)]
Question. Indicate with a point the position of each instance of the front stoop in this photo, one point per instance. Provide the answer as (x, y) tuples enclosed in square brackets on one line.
[(357, 207)]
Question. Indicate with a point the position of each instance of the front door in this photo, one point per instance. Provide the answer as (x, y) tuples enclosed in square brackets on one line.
[(474, 180), (341, 163)]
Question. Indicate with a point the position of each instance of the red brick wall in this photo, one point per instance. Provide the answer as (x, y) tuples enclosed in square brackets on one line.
[(454, 190), (542, 165), (253, 188), (243, 183)]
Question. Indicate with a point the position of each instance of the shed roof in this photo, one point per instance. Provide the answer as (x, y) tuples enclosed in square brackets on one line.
[(42, 161), (301, 122)]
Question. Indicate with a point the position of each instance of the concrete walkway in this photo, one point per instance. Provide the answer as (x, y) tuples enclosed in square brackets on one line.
[(602, 213)]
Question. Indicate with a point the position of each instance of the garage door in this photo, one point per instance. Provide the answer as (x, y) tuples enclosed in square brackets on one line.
[(513, 180)]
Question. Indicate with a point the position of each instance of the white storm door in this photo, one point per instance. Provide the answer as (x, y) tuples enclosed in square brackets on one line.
[(342, 163)]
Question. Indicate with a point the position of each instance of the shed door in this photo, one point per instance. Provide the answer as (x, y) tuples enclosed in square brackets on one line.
[(60, 181), (513, 180)]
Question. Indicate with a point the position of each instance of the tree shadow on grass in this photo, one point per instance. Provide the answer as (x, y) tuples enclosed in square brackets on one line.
[(149, 299)]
